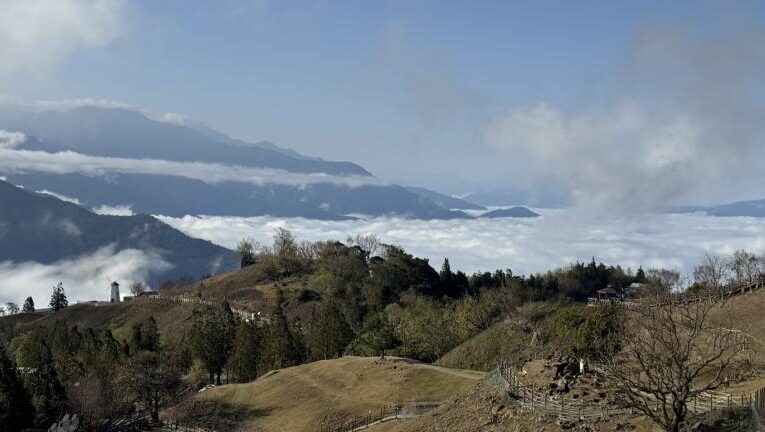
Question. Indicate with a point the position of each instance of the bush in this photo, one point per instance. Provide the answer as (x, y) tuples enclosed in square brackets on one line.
[(587, 332)]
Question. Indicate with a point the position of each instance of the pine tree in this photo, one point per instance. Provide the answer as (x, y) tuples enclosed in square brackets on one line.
[(48, 395), (640, 275), (242, 366), (280, 349), (29, 305), (213, 339), (145, 336), (58, 299), (16, 410), (329, 333)]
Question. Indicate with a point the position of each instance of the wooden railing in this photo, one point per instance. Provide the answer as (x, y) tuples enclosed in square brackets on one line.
[(528, 399), (708, 295), (385, 414)]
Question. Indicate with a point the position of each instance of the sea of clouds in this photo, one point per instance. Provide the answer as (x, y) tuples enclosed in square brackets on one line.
[(86, 277), (560, 237)]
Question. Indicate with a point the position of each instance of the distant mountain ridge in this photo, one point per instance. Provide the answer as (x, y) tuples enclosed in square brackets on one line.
[(751, 208), (44, 229), (514, 212), (120, 133), (445, 201)]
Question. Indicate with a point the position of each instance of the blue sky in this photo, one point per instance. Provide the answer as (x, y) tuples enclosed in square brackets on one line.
[(412, 90)]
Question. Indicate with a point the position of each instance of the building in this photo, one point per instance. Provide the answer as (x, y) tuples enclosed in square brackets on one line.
[(115, 298)]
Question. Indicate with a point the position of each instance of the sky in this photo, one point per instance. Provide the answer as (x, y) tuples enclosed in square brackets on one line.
[(616, 103), (622, 106)]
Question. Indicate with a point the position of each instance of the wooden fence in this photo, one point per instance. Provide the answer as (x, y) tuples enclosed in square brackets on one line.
[(525, 397), (385, 414), (710, 295)]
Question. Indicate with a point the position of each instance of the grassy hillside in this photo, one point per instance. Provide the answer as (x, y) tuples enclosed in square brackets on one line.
[(248, 289), (173, 320), (300, 398), (511, 339)]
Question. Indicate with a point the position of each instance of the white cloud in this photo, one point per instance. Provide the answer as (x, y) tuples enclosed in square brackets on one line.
[(9, 140), (684, 124), (85, 278), (524, 245), (60, 196), (21, 161), (118, 210), (36, 35)]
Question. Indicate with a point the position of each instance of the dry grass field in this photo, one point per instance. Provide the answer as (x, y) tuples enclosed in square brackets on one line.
[(301, 398)]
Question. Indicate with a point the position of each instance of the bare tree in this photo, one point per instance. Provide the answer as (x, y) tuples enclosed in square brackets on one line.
[(247, 249), (712, 273), (12, 308), (369, 243), (661, 282), (670, 354), (138, 288), (746, 267)]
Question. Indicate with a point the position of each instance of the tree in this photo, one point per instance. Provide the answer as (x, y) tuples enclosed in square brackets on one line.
[(712, 273), (58, 299), (378, 336), (29, 305), (640, 275), (246, 249), (661, 282), (242, 366), (746, 267), (12, 308), (280, 347), (329, 333), (588, 332), (213, 339), (150, 378), (16, 410), (42, 380), (144, 336), (138, 288), (671, 353)]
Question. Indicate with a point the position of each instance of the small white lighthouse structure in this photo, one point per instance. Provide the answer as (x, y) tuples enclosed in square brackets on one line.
[(115, 293)]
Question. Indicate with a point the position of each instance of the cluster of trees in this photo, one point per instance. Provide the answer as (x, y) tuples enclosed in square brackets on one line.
[(58, 301), (52, 369), (716, 272)]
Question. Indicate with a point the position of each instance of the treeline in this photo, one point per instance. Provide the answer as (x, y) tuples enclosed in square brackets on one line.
[(51, 369)]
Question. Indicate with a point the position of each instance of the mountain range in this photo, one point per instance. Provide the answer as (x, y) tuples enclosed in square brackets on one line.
[(291, 184), (752, 208), (45, 229)]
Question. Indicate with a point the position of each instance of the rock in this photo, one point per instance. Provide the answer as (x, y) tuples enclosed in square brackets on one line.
[(562, 385)]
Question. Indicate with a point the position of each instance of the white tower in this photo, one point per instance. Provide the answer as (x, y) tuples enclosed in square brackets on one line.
[(115, 293)]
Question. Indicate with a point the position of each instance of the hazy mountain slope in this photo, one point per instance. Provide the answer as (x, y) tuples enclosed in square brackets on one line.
[(130, 134), (173, 196), (45, 229), (754, 208), (445, 201), (514, 212)]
